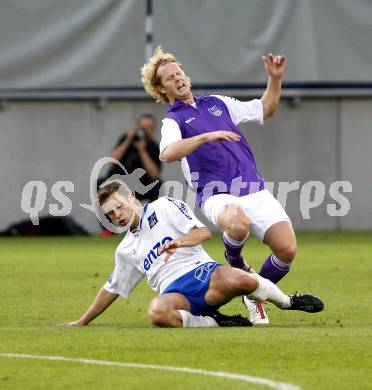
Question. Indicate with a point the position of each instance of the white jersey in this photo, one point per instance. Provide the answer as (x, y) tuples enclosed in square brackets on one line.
[(137, 255)]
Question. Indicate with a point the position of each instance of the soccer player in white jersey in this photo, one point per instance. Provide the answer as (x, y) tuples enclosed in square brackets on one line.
[(218, 162), (163, 244)]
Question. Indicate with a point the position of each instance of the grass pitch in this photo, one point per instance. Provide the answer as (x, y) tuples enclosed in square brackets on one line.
[(47, 280)]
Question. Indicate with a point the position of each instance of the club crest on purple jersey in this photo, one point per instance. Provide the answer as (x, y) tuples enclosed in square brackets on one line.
[(215, 110)]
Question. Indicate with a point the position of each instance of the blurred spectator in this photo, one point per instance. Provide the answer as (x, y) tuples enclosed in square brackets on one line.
[(138, 149)]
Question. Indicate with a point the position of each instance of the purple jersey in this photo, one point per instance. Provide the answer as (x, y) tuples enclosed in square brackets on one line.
[(216, 167)]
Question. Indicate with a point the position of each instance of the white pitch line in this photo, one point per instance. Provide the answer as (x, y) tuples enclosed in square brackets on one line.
[(244, 378)]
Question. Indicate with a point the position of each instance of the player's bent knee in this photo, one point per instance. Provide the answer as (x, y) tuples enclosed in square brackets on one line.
[(243, 282), (235, 222), (242, 227), (287, 252), (239, 227), (158, 313), (158, 317)]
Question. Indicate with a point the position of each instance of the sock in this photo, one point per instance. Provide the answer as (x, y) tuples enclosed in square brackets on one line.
[(191, 321), (274, 269), (268, 291), (233, 251)]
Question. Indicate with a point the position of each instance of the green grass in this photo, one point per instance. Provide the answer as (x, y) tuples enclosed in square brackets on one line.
[(47, 280)]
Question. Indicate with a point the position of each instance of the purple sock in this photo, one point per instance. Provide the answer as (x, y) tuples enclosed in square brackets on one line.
[(274, 269), (233, 253)]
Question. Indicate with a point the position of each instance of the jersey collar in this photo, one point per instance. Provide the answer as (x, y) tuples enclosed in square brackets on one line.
[(143, 215), (179, 103), (139, 227)]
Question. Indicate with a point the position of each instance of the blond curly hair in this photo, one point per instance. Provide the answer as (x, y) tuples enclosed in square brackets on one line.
[(150, 78)]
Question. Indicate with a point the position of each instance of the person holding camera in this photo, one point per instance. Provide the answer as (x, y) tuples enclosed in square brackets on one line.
[(138, 149)]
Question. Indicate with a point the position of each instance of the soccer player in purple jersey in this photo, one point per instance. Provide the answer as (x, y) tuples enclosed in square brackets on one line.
[(218, 162)]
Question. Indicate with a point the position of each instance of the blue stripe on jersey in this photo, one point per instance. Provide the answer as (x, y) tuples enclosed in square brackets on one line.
[(143, 214), (181, 206)]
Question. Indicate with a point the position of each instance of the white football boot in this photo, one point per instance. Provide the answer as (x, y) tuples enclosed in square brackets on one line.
[(256, 311)]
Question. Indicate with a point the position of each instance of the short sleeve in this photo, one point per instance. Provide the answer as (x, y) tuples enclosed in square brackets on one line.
[(240, 112), (170, 133), (180, 216), (124, 278)]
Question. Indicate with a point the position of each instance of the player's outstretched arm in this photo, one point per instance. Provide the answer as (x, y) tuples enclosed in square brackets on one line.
[(196, 236), (275, 68), (185, 147), (102, 301)]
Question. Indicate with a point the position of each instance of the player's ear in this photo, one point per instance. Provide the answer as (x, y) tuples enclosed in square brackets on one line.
[(160, 89), (131, 196)]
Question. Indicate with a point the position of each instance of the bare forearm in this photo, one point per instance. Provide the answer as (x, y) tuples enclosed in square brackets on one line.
[(120, 150), (149, 165), (102, 301), (271, 97), (183, 148), (195, 237)]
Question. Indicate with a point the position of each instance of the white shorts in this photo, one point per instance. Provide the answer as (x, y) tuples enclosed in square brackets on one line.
[(262, 208)]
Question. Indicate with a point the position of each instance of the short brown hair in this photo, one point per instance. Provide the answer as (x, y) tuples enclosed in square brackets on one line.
[(108, 188), (150, 78)]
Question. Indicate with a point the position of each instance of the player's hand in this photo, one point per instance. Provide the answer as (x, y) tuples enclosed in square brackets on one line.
[(170, 247), (70, 324), (274, 65), (222, 135)]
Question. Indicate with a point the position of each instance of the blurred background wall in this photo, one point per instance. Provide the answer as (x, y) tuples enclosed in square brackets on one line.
[(70, 85)]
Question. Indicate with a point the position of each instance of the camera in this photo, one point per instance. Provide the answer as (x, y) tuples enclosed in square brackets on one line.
[(140, 134)]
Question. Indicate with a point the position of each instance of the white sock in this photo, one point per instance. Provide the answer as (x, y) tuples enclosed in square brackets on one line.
[(268, 291), (233, 242), (191, 321), (282, 265)]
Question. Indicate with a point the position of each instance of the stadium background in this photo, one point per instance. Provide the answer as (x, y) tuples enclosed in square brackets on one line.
[(70, 83)]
